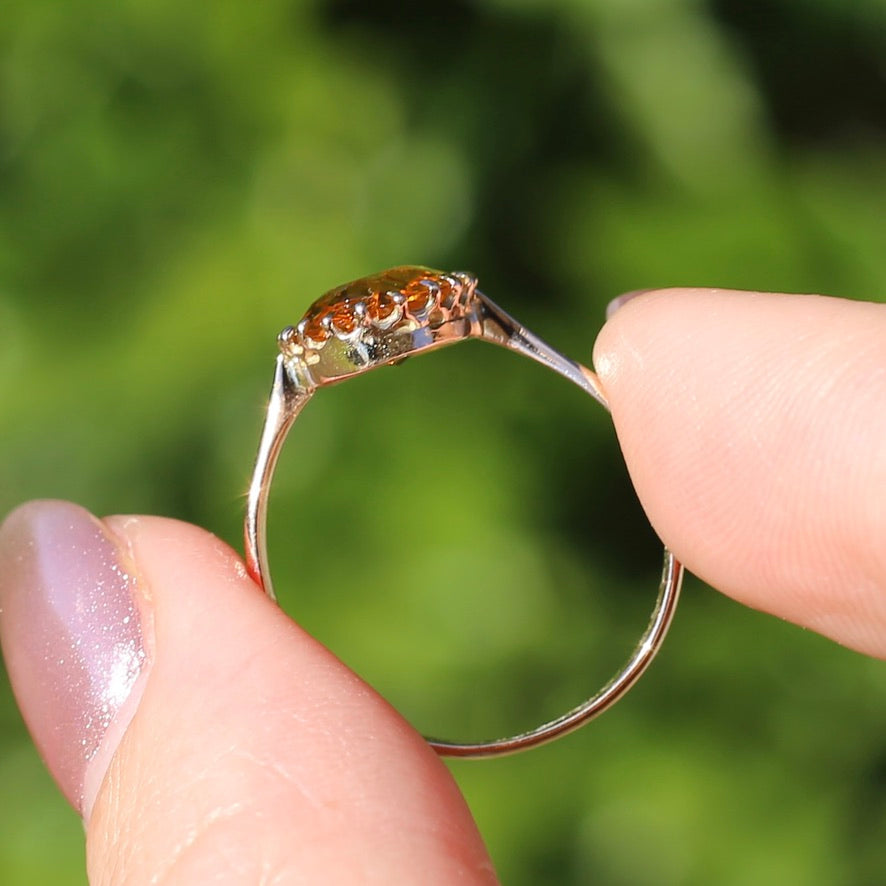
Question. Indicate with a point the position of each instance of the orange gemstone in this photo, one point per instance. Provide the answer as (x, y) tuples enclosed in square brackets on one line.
[(314, 329), (343, 317), (418, 295), (380, 306), (422, 288)]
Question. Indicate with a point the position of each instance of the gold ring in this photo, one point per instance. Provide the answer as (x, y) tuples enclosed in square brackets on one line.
[(382, 319)]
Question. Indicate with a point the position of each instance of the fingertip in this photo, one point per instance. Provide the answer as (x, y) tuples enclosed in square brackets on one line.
[(254, 749), (621, 300), (751, 424), (72, 635)]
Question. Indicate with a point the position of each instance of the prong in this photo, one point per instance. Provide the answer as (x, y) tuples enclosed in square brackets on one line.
[(456, 287), (468, 285), (286, 339), (468, 281)]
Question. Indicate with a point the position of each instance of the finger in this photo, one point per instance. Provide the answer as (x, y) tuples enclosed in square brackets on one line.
[(251, 754), (753, 426)]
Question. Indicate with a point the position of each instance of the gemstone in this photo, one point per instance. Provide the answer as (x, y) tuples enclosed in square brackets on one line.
[(384, 309), (418, 294), (314, 330), (380, 298), (381, 305), (343, 318)]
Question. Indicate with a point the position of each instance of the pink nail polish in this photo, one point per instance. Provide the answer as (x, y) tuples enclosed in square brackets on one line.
[(621, 300), (70, 632)]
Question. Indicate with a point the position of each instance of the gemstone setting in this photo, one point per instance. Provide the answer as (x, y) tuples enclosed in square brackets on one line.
[(375, 320)]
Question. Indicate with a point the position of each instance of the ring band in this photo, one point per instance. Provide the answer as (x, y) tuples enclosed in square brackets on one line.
[(383, 319)]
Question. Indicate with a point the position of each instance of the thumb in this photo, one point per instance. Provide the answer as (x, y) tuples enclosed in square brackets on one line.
[(753, 427), (202, 734)]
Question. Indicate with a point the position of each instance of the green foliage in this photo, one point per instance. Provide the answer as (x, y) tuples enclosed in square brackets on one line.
[(178, 181)]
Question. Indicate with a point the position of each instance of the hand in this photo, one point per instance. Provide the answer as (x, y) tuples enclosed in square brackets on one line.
[(205, 737)]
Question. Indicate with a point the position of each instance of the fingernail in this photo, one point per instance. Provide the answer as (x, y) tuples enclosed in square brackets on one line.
[(71, 634), (621, 300)]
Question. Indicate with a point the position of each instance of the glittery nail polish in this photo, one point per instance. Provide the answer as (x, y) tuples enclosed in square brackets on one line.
[(70, 630)]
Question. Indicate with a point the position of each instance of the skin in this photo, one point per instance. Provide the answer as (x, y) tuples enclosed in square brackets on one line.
[(753, 427)]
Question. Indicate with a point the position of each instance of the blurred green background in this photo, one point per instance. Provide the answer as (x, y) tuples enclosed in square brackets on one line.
[(178, 181)]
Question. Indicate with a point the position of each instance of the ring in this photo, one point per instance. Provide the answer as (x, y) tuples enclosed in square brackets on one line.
[(380, 320)]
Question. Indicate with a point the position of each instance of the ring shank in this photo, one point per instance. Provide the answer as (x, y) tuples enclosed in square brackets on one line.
[(631, 671), (286, 401), (490, 323)]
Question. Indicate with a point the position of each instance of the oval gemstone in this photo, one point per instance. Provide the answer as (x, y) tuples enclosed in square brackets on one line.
[(422, 289)]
